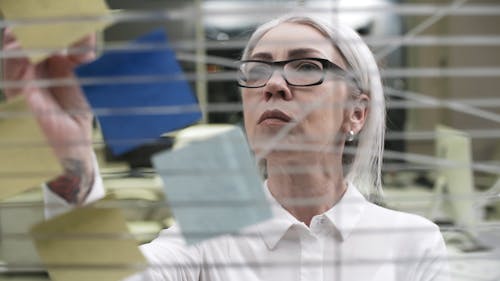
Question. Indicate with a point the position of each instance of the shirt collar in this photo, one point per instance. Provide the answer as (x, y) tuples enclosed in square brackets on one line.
[(346, 214), (343, 216), (273, 230)]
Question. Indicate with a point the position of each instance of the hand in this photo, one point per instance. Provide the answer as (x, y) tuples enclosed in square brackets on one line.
[(61, 111)]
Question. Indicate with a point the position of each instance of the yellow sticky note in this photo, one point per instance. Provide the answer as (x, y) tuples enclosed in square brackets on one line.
[(60, 34), (26, 160), (87, 244)]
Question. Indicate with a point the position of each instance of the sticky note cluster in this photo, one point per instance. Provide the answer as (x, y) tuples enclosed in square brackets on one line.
[(137, 93)]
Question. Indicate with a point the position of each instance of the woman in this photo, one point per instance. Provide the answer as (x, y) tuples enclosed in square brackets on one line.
[(308, 88)]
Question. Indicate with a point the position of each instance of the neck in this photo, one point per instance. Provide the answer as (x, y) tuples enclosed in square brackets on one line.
[(306, 185)]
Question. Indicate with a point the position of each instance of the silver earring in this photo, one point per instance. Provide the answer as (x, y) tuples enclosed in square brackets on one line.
[(350, 136)]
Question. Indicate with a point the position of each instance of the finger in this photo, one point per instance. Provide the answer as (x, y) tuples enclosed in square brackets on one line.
[(10, 43), (58, 66), (8, 36), (85, 50), (14, 68)]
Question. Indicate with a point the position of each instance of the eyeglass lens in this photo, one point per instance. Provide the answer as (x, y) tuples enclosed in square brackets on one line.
[(296, 72)]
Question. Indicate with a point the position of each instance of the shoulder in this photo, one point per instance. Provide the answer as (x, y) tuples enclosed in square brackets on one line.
[(375, 216), (169, 245), (393, 218), (412, 237), (408, 230), (170, 258)]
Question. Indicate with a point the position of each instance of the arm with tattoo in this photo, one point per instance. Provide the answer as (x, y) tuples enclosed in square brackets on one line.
[(62, 112), (75, 184)]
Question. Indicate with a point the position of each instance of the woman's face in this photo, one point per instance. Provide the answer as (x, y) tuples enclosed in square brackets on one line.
[(316, 115)]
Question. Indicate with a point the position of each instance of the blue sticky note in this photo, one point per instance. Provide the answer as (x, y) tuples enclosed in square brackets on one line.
[(138, 95), (213, 186)]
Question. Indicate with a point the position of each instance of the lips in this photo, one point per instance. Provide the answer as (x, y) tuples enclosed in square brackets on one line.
[(274, 115)]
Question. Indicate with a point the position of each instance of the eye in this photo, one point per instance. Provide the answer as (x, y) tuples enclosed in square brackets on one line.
[(303, 72), (304, 66), (307, 66), (256, 71)]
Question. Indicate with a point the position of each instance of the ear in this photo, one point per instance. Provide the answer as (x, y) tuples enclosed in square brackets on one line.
[(356, 114)]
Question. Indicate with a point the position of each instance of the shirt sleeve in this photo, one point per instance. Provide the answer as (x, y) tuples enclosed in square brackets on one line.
[(170, 259), (55, 205)]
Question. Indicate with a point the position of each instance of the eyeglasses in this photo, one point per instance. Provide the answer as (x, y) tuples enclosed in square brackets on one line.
[(296, 72)]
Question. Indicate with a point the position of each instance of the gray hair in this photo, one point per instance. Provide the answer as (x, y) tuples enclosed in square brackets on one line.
[(365, 171)]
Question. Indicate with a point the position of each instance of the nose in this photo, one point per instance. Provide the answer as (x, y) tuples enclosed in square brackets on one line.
[(277, 87)]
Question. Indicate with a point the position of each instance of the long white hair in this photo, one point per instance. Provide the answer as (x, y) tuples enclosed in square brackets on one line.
[(365, 171)]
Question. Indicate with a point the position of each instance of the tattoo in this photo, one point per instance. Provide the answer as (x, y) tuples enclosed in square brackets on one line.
[(74, 185)]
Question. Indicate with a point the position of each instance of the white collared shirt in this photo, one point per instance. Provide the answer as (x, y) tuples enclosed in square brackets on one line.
[(355, 240)]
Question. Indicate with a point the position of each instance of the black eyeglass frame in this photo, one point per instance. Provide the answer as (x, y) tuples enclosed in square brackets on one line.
[(327, 66)]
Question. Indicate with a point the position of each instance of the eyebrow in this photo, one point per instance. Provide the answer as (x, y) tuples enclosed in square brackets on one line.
[(262, 56), (295, 53)]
